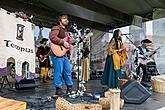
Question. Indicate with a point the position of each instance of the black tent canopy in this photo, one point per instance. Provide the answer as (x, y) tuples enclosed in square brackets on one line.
[(97, 14)]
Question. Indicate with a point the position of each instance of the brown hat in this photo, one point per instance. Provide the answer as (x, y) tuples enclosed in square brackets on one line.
[(43, 40), (146, 41)]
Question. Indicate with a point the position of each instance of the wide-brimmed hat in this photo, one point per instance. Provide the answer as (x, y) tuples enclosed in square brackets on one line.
[(146, 41), (43, 40)]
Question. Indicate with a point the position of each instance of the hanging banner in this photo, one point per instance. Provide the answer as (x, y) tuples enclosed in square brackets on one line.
[(17, 42)]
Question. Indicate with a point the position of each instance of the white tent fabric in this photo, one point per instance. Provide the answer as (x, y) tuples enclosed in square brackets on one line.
[(158, 38), (16, 41), (158, 41)]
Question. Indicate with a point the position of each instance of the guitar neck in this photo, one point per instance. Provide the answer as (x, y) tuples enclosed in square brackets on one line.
[(48, 53), (154, 52)]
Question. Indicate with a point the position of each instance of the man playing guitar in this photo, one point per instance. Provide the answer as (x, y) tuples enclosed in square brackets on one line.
[(62, 70), (143, 57), (43, 56)]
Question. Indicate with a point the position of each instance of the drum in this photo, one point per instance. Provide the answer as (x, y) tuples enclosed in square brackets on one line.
[(151, 63), (151, 70)]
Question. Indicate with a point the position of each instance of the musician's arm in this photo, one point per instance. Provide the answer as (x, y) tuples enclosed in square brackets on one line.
[(54, 36), (111, 47), (141, 56), (152, 50), (38, 53)]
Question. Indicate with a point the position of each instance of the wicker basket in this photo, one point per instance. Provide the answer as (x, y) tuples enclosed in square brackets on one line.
[(121, 103), (122, 82), (88, 106), (62, 104), (105, 102), (158, 83), (107, 94)]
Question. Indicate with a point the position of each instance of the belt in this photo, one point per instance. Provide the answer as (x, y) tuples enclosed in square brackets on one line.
[(59, 57)]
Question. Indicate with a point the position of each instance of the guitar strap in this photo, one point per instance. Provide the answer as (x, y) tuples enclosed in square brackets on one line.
[(45, 51), (137, 52), (141, 50)]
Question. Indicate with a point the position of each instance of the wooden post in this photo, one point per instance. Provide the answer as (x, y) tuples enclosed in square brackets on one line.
[(115, 99)]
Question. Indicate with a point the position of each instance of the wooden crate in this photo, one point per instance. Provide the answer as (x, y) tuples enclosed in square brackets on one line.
[(10, 104)]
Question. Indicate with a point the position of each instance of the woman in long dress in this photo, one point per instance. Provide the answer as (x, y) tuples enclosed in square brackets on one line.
[(116, 57)]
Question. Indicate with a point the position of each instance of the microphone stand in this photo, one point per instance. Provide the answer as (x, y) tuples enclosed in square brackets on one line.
[(130, 40), (78, 64), (135, 75), (78, 91)]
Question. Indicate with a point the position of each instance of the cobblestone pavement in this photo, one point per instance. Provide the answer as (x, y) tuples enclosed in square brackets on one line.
[(39, 99)]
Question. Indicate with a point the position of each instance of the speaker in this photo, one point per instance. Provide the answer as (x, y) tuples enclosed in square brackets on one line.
[(133, 92), (25, 84)]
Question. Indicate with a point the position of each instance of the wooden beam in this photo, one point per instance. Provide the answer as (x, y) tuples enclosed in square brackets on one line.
[(100, 8)]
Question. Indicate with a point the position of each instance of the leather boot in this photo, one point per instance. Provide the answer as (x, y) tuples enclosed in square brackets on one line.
[(69, 90), (41, 79), (44, 80), (59, 91)]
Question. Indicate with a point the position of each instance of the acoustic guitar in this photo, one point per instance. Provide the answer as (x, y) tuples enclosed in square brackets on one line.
[(60, 50), (44, 57), (147, 56)]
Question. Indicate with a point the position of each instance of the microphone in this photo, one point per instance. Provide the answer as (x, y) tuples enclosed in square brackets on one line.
[(126, 34)]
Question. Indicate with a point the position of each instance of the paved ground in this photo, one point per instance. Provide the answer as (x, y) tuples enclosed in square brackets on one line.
[(38, 99)]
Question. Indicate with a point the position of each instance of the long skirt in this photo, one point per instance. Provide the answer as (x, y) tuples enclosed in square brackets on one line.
[(110, 76), (85, 69)]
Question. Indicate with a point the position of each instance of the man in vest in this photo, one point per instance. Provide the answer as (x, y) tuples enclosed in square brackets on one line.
[(62, 69), (141, 60)]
